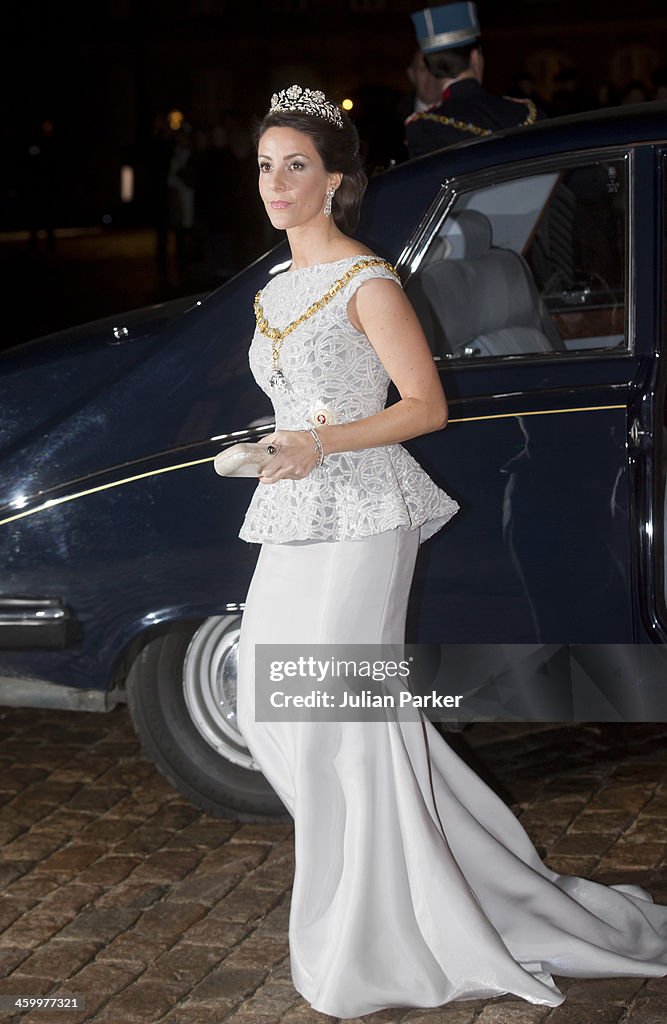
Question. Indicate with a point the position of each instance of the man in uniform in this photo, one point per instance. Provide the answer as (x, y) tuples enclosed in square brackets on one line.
[(427, 89), (449, 39)]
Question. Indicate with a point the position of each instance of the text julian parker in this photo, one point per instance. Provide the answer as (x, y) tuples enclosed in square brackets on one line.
[(364, 699)]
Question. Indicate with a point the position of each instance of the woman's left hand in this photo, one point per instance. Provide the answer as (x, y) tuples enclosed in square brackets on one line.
[(295, 458)]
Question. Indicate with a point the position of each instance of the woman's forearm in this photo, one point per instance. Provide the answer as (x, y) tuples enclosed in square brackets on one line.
[(407, 418)]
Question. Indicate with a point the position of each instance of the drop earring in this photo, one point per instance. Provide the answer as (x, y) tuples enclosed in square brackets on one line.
[(331, 192)]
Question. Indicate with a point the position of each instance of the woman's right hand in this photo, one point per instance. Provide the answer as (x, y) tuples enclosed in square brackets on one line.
[(295, 458)]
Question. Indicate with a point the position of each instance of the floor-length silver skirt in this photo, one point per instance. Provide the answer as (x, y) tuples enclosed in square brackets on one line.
[(414, 883)]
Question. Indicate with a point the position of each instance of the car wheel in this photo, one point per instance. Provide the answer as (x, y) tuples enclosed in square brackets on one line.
[(181, 692)]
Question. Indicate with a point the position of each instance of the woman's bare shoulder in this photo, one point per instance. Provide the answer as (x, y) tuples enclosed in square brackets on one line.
[(354, 248)]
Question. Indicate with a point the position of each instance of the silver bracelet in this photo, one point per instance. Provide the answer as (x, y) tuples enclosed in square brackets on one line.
[(317, 446)]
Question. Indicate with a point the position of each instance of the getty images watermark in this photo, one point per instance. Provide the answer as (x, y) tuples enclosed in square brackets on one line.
[(346, 682), (460, 683)]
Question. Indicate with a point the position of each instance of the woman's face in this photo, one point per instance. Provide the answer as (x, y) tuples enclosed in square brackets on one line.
[(293, 181)]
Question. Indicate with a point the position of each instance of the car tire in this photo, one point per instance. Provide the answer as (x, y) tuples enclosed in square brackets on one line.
[(181, 693)]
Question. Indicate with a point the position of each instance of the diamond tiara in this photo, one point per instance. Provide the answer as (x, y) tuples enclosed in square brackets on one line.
[(306, 101)]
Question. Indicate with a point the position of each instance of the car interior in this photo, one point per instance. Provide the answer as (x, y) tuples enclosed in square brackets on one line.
[(525, 267), (478, 299)]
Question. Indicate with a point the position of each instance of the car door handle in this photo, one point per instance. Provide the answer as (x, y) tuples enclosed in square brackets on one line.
[(636, 434)]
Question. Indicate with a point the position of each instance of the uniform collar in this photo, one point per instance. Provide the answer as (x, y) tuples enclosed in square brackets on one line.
[(464, 87)]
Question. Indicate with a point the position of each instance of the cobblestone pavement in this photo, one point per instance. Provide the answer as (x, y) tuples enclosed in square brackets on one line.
[(117, 889)]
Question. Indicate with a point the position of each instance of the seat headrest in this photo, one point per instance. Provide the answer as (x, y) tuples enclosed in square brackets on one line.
[(469, 235)]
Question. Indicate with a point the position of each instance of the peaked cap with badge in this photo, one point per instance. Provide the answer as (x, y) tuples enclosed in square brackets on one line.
[(467, 110), (443, 28)]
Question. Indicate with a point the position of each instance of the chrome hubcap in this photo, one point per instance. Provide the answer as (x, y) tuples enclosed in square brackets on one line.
[(209, 684)]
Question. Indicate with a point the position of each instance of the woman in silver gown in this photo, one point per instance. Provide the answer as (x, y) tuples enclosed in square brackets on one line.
[(414, 884)]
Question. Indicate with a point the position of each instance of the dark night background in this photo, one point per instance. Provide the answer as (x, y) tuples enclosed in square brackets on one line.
[(92, 88)]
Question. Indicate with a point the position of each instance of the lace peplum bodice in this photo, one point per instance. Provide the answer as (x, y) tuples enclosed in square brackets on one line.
[(332, 368)]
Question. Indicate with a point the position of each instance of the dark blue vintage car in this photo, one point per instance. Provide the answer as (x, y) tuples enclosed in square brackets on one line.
[(536, 261)]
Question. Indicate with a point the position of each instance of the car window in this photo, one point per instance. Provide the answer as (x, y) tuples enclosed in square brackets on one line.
[(529, 266)]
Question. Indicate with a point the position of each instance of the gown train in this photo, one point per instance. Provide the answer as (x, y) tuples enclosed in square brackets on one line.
[(414, 884)]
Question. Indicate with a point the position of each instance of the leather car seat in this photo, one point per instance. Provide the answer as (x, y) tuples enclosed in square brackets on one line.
[(474, 299)]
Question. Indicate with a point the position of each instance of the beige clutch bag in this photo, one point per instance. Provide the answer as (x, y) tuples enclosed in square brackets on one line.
[(245, 459)]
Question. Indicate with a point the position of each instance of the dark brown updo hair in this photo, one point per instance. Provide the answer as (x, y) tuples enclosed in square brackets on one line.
[(339, 152)]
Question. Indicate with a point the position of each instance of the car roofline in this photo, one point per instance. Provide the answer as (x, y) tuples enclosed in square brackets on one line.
[(648, 120)]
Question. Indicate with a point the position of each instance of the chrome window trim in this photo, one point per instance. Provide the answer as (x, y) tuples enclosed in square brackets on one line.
[(657, 525), (629, 268), (452, 188)]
